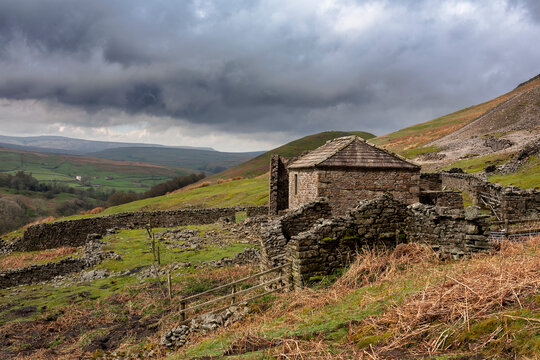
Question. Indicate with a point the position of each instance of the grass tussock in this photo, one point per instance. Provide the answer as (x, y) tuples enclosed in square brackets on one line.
[(376, 265)]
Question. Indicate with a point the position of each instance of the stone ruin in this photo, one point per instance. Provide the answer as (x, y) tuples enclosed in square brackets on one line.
[(347, 195), (316, 244)]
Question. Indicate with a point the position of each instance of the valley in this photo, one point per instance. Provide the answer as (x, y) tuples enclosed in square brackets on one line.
[(406, 301)]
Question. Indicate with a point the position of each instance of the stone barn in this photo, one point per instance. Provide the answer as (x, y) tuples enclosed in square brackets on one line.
[(346, 170)]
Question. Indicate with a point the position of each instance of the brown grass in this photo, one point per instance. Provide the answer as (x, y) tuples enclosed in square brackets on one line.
[(20, 260), (96, 210), (486, 287), (41, 221), (454, 296)]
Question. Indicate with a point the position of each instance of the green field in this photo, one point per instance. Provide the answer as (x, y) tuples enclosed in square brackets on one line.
[(102, 174)]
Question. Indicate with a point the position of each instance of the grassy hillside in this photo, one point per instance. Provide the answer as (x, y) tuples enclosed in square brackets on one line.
[(417, 135), (401, 305), (201, 160), (103, 174), (261, 163), (243, 192)]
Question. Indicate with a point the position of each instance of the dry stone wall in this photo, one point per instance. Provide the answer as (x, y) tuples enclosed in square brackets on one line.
[(92, 255), (252, 211), (318, 244), (453, 233), (449, 199), (277, 233), (331, 244), (74, 232), (517, 204)]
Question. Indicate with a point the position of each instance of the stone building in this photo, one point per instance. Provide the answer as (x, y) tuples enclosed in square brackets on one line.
[(346, 170)]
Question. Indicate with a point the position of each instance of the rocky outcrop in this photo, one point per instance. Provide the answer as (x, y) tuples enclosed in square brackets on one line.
[(178, 336)]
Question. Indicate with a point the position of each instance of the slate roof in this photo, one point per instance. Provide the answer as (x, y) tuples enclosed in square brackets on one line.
[(350, 151)]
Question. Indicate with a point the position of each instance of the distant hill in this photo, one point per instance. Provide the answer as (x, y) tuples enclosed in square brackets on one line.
[(66, 145), (260, 164), (102, 173), (200, 160)]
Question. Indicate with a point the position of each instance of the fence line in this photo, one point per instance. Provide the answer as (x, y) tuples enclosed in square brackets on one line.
[(234, 292)]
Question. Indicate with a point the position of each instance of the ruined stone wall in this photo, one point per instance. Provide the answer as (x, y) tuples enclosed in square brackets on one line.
[(332, 244), (453, 233), (520, 204), (430, 182), (515, 203), (38, 273), (74, 232), (276, 235), (302, 187), (344, 188), (461, 182), (279, 185), (449, 199), (92, 255), (252, 211)]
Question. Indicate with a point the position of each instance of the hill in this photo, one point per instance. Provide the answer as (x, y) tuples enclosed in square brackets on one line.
[(200, 160), (416, 136), (501, 131), (101, 174), (260, 164), (66, 145)]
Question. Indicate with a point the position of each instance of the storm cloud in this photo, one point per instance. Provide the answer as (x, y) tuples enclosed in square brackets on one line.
[(283, 68)]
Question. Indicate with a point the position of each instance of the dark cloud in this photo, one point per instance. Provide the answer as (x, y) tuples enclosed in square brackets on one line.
[(252, 66)]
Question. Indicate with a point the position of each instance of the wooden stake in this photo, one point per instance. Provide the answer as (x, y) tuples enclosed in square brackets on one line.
[(169, 285)]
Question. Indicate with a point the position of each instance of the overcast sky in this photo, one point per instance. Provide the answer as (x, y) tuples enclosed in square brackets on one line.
[(251, 75)]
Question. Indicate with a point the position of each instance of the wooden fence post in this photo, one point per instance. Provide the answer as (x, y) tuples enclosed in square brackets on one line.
[(170, 286), (183, 307), (233, 301)]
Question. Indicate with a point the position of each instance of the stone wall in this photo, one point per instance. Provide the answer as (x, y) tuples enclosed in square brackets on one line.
[(252, 211), (276, 235), (430, 182), (449, 199), (470, 184), (517, 204), (92, 255), (331, 244), (278, 197), (318, 244), (453, 233), (74, 232)]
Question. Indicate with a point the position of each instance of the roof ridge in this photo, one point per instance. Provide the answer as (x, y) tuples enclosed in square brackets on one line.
[(338, 149), (391, 153)]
